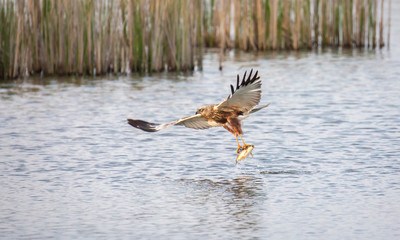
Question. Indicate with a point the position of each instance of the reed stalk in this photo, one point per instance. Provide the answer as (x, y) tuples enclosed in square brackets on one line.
[(381, 40), (87, 37), (273, 24), (389, 23)]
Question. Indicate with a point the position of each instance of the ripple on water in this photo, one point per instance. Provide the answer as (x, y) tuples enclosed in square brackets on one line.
[(325, 159)]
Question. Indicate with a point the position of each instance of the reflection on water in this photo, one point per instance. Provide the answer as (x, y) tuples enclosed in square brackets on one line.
[(234, 203), (325, 164)]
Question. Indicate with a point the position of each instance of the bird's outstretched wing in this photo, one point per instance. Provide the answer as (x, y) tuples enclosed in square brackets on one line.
[(246, 95), (196, 121)]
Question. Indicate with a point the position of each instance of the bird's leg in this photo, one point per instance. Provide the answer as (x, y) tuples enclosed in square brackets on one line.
[(239, 147), (227, 127), (244, 144)]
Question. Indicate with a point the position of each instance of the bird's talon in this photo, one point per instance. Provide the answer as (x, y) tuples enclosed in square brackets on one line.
[(238, 149)]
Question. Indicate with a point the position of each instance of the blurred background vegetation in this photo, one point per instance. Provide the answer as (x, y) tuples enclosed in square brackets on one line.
[(89, 37)]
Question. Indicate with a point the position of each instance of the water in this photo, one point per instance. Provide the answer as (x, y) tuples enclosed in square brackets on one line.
[(326, 160)]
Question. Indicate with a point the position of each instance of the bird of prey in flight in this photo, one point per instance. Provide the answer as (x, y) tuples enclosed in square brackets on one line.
[(240, 104)]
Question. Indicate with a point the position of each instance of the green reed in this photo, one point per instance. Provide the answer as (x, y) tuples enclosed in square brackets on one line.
[(88, 37)]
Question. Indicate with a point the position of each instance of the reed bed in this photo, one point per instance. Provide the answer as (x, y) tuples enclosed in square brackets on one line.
[(89, 37)]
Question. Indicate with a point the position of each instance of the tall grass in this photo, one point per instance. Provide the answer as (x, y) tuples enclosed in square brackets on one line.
[(97, 37)]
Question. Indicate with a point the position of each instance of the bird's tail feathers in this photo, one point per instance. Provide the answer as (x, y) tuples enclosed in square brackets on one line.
[(242, 117), (258, 108)]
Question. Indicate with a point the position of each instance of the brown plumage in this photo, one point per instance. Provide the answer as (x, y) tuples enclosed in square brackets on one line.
[(237, 106)]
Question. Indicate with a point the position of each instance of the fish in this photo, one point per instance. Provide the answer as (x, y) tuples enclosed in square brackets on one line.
[(244, 152)]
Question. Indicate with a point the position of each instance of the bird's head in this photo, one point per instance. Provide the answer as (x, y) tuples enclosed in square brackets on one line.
[(201, 109)]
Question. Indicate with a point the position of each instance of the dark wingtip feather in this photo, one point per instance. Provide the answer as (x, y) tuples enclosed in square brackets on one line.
[(244, 78), (245, 81), (255, 77), (143, 125), (248, 80)]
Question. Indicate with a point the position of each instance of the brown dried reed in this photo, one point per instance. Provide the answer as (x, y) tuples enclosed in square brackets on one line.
[(89, 37)]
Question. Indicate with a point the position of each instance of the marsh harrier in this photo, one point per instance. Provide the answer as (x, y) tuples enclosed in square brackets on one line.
[(239, 105)]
